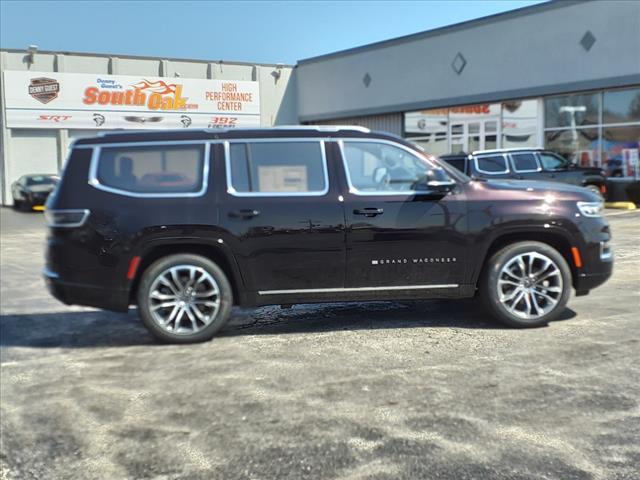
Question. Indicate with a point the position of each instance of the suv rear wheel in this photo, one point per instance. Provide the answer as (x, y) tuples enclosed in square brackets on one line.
[(526, 284), (184, 298)]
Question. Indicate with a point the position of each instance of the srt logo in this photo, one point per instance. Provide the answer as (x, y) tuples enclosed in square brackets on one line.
[(99, 119), (54, 118), (185, 120)]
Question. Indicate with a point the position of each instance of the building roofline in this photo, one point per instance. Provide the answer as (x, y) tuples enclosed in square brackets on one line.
[(143, 57), (498, 17)]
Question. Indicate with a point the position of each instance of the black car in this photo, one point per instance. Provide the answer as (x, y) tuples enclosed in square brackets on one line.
[(528, 164), (32, 191), (301, 215)]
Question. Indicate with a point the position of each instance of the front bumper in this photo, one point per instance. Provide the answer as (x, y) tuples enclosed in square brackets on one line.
[(87, 295)]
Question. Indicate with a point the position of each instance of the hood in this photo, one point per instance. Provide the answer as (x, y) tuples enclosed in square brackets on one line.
[(538, 189), (588, 170)]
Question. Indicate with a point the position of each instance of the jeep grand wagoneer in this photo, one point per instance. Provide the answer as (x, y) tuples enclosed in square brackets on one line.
[(186, 224)]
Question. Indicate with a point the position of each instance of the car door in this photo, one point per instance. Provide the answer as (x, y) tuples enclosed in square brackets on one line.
[(398, 237), (525, 166), (286, 222)]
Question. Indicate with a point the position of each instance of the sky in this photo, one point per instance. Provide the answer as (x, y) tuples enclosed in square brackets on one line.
[(261, 32)]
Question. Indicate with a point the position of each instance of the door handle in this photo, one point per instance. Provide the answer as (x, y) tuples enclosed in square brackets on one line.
[(245, 213), (368, 212)]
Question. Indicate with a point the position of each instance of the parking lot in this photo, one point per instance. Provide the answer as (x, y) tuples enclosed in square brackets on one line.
[(401, 390)]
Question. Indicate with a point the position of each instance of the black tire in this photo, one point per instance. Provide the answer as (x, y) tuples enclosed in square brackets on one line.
[(162, 265), (17, 205), (490, 290)]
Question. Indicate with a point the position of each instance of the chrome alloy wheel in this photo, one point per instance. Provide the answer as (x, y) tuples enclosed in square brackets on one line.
[(184, 299), (530, 285)]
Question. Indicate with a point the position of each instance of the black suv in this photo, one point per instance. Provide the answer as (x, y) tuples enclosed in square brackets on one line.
[(528, 164), (186, 224)]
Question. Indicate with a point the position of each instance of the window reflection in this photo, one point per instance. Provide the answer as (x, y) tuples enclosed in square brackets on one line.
[(571, 110), (621, 106), (620, 150), (579, 146)]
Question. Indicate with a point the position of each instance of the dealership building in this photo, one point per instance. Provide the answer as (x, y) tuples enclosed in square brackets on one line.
[(560, 75)]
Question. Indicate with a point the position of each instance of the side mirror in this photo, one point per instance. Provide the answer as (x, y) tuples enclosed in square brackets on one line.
[(441, 186), (436, 182)]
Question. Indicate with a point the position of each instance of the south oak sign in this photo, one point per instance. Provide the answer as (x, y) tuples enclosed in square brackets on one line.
[(89, 101)]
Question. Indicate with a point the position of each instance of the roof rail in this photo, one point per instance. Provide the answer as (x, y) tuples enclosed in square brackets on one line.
[(499, 150), (319, 128)]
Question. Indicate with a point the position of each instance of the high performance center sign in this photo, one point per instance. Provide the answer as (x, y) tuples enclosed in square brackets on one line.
[(74, 100)]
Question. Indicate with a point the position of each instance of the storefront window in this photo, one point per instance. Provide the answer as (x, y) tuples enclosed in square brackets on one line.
[(612, 144), (520, 123), (621, 106), (580, 146), (620, 150), (572, 110), (429, 129)]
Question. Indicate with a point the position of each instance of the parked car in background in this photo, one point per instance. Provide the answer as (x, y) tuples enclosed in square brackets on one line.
[(31, 191), (528, 164), (303, 215)]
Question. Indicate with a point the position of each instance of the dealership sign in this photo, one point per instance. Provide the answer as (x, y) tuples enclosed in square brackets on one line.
[(78, 100)]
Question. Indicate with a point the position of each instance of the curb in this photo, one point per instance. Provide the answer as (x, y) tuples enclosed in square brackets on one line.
[(621, 205)]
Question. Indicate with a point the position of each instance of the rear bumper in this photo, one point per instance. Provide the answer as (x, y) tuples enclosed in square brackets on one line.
[(87, 295)]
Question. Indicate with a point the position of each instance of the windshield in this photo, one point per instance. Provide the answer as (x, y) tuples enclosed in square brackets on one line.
[(452, 171), (41, 180), (551, 161)]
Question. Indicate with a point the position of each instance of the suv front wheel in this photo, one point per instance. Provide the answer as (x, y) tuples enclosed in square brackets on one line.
[(184, 298), (526, 284)]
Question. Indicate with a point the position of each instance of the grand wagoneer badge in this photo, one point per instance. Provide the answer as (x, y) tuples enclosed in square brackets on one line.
[(399, 261)]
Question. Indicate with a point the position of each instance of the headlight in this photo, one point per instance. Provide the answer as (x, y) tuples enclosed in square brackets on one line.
[(590, 209)]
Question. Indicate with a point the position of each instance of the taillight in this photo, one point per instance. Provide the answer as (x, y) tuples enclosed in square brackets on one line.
[(66, 218)]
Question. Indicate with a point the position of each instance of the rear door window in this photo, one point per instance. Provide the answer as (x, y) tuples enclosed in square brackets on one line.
[(492, 164), (277, 168), (152, 170), (525, 162)]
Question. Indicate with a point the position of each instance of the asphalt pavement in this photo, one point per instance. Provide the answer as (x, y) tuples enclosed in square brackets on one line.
[(384, 390)]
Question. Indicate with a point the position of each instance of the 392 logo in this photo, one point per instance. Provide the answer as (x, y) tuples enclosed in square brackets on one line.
[(218, 122)]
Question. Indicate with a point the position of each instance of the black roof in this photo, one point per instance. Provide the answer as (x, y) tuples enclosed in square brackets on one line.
[(228, 134)]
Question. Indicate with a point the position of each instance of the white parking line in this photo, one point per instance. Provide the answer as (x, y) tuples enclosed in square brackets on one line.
[(623, 212)]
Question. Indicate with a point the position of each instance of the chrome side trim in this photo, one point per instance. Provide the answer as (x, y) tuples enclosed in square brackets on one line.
[(49, 274), (356, 289), (235, 193), (506, 163), (353, 190), (95, 158)]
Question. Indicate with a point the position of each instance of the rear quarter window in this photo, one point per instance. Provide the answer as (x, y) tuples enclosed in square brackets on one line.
[(153, 169)]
